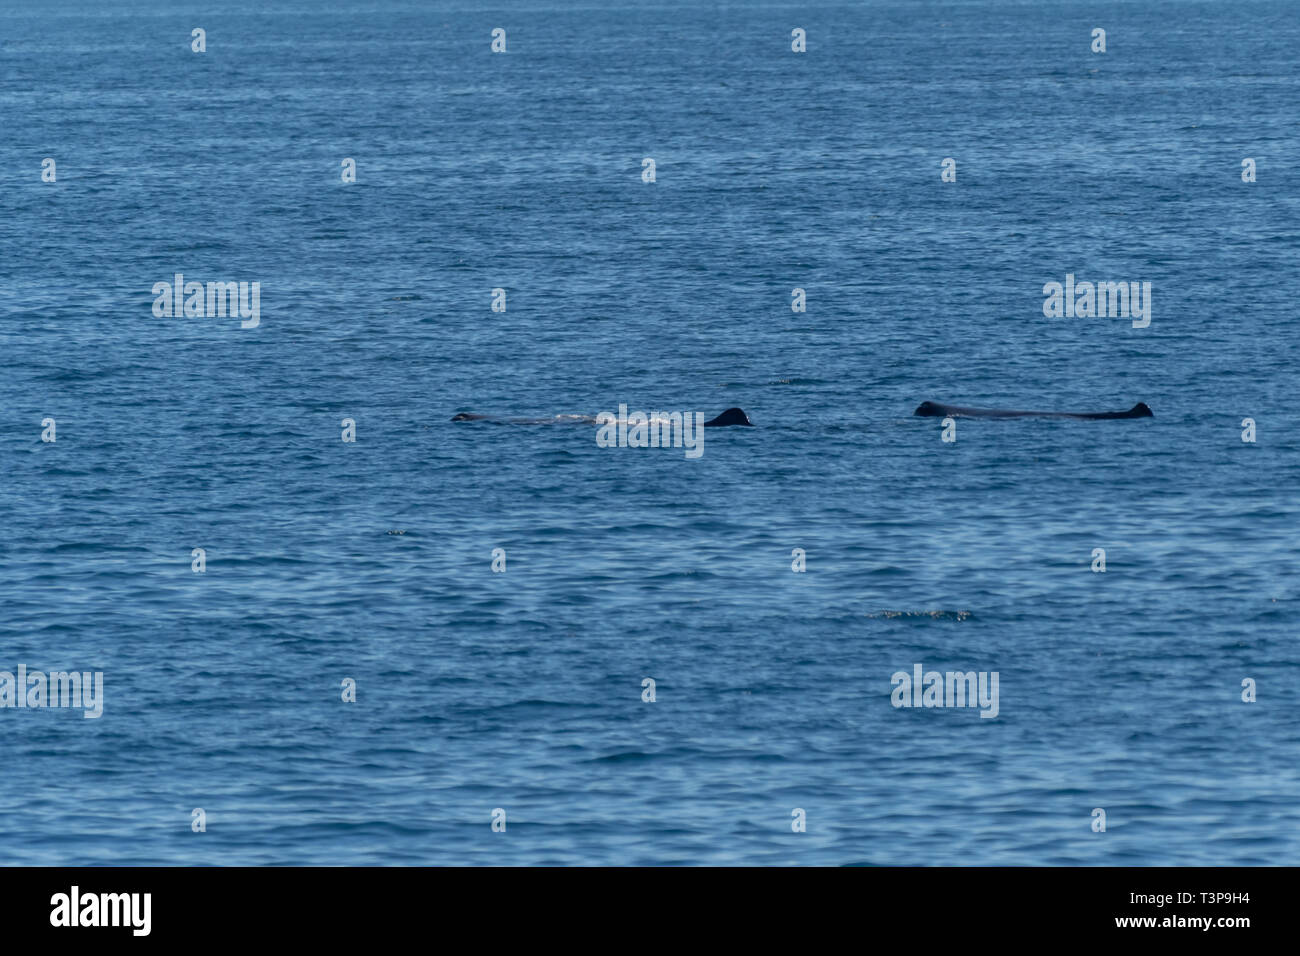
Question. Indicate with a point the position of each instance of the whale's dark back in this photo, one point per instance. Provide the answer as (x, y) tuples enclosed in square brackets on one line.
[(936, 409), (732, 416)]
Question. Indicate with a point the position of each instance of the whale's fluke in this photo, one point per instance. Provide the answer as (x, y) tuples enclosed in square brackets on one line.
[(937, 409)]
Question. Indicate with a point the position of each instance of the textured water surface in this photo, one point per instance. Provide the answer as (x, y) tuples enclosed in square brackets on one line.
[(522, 690)]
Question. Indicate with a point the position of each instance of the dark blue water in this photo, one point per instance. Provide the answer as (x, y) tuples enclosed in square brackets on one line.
[(522, 690)]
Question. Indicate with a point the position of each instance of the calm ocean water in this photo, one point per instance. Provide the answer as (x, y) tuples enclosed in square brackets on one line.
[(522, 690)]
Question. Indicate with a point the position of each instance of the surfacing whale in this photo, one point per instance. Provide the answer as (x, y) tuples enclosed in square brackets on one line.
[(732, 416), (938, 410), (553, 420)]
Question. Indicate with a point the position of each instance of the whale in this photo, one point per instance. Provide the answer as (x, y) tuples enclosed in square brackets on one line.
[(732, 416), (553, 420), (939, 410)]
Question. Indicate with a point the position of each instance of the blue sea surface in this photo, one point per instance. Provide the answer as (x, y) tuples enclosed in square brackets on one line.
[(522, 690)]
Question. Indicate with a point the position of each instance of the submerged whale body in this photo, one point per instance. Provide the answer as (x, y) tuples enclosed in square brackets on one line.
[(936, 409), (553, 420), (732, 416)]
